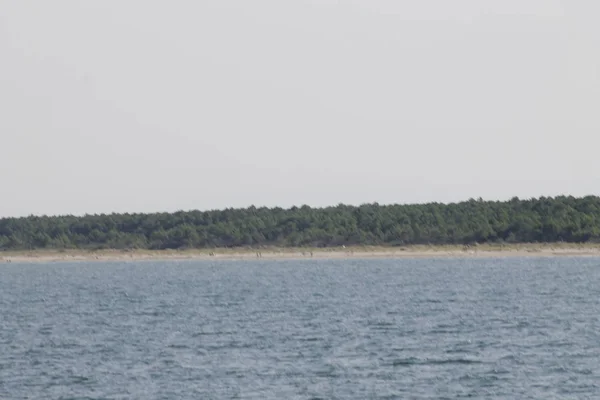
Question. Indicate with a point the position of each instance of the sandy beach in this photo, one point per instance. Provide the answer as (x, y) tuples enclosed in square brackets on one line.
[(489, 251)]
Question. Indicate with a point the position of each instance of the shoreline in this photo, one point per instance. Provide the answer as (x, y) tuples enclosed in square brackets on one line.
[(284, 253)]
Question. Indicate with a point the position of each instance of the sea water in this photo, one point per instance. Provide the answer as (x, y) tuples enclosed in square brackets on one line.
[(510, 328)]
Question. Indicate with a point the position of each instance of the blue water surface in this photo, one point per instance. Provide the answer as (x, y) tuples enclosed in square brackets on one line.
[(511, 328)]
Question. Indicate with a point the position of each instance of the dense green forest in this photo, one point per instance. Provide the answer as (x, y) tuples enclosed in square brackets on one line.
[(556, 219)]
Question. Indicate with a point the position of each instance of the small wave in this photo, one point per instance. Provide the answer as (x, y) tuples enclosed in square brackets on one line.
[(433, 301), (309, 339), (78, 379), (457, 351), (197, 334), (405, 361), (178, 346), (415, 361), (454, 361)]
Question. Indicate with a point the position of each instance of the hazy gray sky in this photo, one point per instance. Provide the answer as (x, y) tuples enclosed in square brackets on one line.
[(152, 105)]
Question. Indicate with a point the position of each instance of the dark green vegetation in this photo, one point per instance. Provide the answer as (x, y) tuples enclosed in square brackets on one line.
[(557, 219)]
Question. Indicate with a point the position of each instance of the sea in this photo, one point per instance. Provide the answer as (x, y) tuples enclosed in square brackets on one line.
[(477, 328)]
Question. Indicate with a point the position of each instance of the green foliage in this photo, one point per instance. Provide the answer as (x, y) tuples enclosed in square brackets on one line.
[(557, 219)]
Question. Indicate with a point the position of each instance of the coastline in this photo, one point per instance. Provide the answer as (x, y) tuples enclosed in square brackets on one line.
[(274, 253)]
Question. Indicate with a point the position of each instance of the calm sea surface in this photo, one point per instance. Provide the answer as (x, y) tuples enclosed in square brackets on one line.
[(337, 329)]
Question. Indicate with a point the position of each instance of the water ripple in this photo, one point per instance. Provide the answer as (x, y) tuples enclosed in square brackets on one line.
[(354, 329)]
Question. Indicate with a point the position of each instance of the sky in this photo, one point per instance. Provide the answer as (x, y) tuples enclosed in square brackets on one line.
[(149, 105)]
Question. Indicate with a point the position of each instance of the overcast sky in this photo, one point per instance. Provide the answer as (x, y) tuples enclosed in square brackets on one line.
[(152, 105)]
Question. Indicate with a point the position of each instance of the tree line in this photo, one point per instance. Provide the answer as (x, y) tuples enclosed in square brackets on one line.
[(545, 219)]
